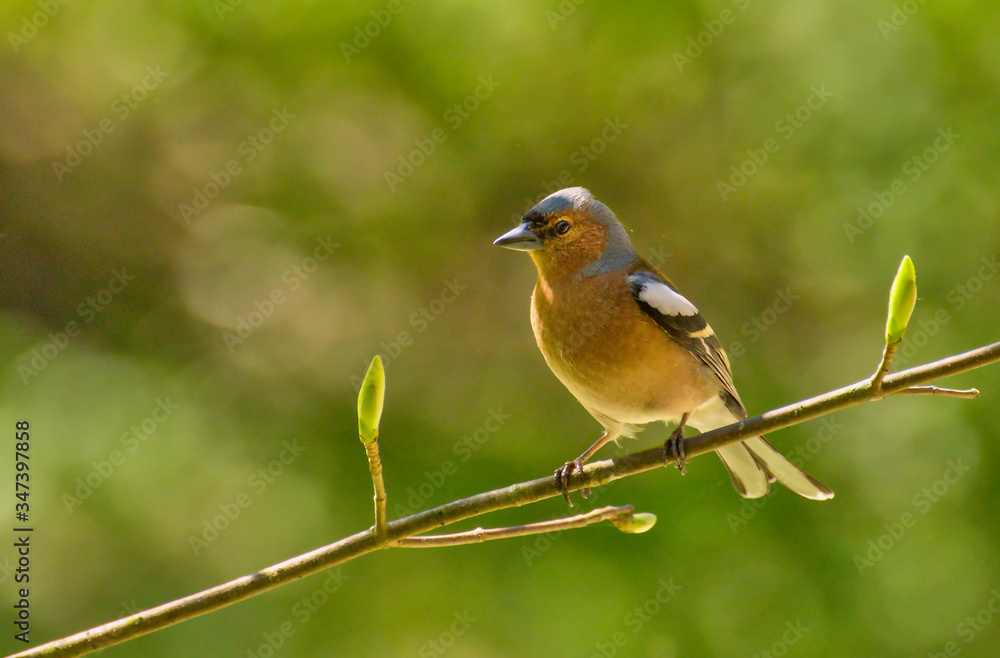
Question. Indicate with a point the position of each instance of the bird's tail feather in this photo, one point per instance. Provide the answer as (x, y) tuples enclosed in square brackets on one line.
[(786, 472), (754, 463), (748, 478)]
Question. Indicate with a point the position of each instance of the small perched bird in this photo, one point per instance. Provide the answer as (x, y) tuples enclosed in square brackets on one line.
[(629, 346)]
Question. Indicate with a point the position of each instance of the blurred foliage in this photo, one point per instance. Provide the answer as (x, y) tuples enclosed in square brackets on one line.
[(238, 204)]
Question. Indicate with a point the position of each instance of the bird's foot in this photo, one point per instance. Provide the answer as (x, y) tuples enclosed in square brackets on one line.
[(563, 475), (673, 449)]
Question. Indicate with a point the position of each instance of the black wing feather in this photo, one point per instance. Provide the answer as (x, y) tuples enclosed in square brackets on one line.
[(693, 334)]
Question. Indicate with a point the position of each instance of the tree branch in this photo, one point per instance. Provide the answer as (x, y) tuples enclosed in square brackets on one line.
[(375, 468), (515, 495), (617, 515), (968, 393), (883, 366)]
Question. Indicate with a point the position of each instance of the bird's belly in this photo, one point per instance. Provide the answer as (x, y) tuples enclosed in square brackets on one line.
[(635, 397), (627, 370)]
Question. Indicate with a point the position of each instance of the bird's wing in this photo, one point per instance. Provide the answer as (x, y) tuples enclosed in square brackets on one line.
[(753, 462), (682, 322)]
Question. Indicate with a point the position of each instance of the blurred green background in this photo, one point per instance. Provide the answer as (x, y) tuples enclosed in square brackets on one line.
[(238, 204)]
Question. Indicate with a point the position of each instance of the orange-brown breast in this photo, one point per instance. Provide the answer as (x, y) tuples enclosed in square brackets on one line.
[(610, 354)]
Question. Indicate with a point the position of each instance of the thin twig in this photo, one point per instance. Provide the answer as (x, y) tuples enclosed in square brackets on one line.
[(480, 535), (516, 495), (826, 403), (375, 467), (883, 366), (965, 393)]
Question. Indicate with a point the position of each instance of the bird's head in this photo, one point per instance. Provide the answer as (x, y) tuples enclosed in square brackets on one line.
[(570, 232)]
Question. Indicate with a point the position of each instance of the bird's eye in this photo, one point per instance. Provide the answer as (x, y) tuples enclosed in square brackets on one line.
[(562, 227)]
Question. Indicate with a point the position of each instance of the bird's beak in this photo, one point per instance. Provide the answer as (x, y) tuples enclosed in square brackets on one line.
[(520, 239)]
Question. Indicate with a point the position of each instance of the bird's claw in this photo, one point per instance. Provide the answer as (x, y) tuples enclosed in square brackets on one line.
[(563, 475), (673, 450)]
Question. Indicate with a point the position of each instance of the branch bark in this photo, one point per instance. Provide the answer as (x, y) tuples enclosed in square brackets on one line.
[(375, 468), (515, 495), (613, 514)]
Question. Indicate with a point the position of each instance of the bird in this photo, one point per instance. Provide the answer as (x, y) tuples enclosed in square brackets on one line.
[(629, 346)]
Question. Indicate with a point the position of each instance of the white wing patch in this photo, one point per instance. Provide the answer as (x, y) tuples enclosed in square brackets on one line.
[(661, 297)]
